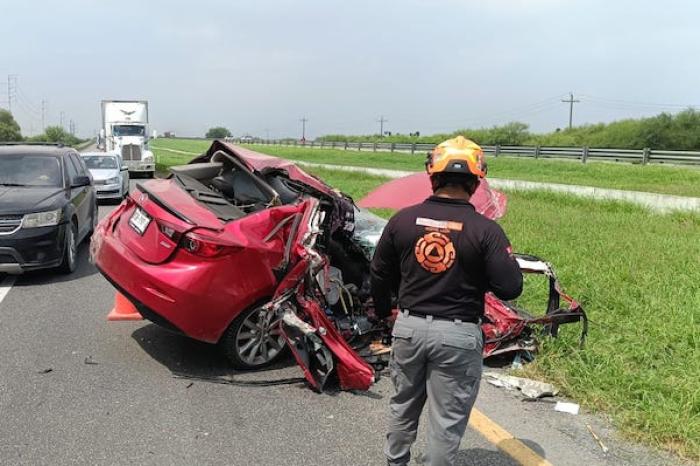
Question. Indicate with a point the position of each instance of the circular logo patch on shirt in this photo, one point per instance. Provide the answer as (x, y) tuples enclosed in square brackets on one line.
[(435, 252)]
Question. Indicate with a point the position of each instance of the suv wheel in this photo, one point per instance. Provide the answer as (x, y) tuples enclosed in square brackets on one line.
[(70, 250)]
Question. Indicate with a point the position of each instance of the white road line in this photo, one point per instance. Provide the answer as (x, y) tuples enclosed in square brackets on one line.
[(6, 286)]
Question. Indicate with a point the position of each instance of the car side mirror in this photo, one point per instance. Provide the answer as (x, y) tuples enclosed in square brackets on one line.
[(80, 181), (124, 167)]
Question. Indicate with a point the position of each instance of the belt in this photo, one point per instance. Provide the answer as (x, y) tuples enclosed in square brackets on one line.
[(423, 315)]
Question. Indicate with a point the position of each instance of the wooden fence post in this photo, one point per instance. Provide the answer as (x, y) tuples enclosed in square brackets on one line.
[(537, 152), (584, 154), (497, 150), (646, 154), (374, 147), (413, 148), (346, 146), (393, 146)]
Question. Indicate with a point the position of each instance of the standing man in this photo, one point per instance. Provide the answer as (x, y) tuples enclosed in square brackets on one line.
[(440, 257)]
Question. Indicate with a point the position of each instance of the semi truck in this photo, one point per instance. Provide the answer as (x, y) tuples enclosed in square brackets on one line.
[(125, 131)]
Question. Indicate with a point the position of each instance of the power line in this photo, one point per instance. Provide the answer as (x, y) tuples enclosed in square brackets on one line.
[(571, 103), (11, 90), (633, 103), (381, 122), (303, 127)]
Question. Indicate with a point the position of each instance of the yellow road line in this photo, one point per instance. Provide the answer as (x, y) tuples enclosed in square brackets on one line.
[(505, 441)]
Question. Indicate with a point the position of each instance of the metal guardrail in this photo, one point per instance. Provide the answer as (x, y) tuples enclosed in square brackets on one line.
[(639, 156)]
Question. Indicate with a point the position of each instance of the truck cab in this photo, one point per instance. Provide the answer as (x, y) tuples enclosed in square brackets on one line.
[(125, 131)]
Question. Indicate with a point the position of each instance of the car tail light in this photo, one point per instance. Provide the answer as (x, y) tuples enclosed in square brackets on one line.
[(205, 246), (168, 230)]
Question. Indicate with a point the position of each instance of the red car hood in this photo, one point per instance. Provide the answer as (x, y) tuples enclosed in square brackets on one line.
[(414, 189)]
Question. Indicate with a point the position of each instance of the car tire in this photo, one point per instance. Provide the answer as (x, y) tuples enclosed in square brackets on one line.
[(253, 340), (93, 221), (70, 250)]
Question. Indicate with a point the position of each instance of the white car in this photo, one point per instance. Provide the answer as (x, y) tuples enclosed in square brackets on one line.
[(110, 175)]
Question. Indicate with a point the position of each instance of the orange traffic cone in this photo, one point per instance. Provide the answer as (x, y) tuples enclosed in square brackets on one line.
[(123, 309)]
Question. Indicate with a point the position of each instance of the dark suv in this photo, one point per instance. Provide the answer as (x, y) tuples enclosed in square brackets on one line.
[(47, 207)]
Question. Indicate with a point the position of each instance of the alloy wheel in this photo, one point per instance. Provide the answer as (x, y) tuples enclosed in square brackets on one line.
[(259, 338)]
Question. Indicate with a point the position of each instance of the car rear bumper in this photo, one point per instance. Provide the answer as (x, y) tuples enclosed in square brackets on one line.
[(184, 294), (138, 167), (32, 249), (110, 191)]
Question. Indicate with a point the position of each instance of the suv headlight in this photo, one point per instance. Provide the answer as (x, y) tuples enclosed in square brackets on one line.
[(114, 180), (42, 219), (147, 158)]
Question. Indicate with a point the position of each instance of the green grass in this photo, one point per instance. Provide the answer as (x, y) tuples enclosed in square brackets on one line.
[(637, 276), (682, 181)]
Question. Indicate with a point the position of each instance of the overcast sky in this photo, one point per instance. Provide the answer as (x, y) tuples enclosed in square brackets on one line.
[(258, 66)]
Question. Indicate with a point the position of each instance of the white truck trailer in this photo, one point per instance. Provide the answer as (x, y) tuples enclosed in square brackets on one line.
[(125, 131)]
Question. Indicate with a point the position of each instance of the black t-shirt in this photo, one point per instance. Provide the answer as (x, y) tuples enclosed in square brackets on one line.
[(442, 257)]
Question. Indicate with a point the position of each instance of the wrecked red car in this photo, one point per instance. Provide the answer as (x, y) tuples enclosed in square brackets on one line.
[(251, 253)]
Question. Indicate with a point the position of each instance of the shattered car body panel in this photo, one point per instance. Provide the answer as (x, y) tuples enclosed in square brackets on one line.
[(251, 252)]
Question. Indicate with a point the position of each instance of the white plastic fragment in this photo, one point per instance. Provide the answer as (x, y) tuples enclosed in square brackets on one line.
[(529, 388), (564, 407)]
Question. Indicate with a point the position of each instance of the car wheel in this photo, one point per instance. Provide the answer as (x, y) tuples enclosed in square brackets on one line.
[(254, 339), (70, 250)]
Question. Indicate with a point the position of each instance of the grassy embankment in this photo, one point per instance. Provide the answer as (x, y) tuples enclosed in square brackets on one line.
[(637, 275)]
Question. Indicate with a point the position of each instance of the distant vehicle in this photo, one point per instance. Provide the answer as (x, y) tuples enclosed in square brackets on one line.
[(110, 175), (47, 207), (247, 139), (125, 131)]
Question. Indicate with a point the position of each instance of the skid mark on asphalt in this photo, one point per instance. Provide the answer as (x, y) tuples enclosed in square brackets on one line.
[(6, 285)]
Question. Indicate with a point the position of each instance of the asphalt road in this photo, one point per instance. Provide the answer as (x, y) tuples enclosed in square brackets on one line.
[(75, 389)]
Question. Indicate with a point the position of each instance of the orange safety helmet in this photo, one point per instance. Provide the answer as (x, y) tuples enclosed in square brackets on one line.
[(457, 155)]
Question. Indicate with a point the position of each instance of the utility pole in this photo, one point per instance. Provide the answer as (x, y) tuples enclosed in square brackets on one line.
[(303, 128), (381, 122), (267, 134), (43, 114), (11, 90), (571, 103), (62, 114)]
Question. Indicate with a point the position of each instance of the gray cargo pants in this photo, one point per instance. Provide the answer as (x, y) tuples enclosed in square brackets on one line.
[(440, 361)]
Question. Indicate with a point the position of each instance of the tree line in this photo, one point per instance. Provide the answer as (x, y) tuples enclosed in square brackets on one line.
[(680, 131), (11, 132)]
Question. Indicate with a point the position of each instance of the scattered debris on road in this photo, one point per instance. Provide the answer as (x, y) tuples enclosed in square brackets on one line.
[(564, 407), (45, 371), (597, 439), (90, 361), (531, 389)]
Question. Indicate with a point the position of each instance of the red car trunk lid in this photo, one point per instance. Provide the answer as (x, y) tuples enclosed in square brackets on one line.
[(171, 213)]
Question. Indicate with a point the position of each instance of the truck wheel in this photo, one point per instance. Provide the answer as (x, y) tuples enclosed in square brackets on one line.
[(253, 340), (70, 250)]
